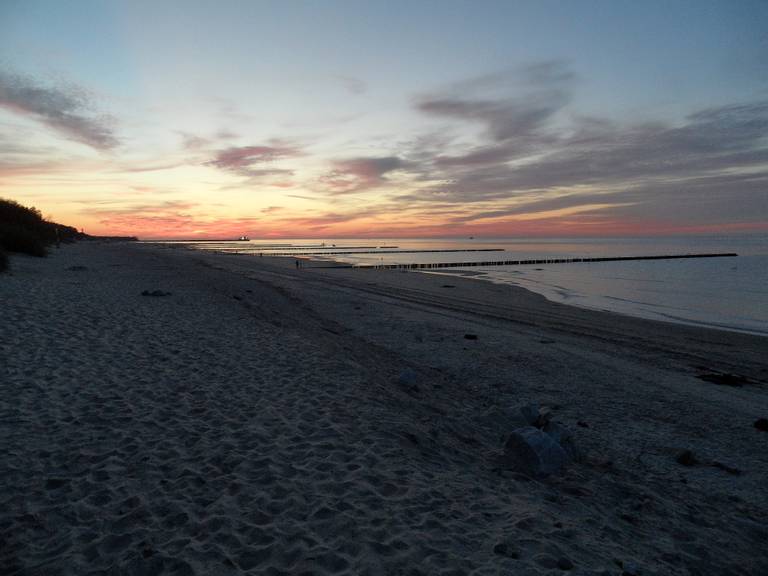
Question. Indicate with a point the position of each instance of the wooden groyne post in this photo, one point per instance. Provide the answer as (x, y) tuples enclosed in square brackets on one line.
[(431, 265)]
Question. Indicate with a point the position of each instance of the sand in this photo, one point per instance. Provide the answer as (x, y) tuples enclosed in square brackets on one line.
[(255, 421)]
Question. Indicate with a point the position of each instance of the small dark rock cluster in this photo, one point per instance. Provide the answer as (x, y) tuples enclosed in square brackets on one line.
[(762, 424), (687, 458), (538, 446), (724, 379), (155, 293)]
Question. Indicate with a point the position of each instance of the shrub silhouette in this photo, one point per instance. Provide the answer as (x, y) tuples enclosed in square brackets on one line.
[(14, 238), (25, 230)]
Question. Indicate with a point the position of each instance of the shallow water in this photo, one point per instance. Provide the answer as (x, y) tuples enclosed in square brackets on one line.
[(728, 293)]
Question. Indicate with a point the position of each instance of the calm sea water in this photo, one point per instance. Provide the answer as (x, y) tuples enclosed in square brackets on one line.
[(727, 293)]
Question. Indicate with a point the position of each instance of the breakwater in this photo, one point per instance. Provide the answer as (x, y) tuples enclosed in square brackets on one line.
[(337, 253), (430, 265)]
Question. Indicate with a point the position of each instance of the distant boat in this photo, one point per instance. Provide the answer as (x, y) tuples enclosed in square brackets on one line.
[(471, 237), (243, 238)]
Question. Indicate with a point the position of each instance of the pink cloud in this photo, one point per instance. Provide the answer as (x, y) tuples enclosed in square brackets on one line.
[(245, 160), (356, 174)]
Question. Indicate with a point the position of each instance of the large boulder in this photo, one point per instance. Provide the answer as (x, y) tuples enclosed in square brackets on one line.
[(533, 452)]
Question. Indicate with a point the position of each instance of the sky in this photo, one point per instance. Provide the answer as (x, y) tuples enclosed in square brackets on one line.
[(330, 119)]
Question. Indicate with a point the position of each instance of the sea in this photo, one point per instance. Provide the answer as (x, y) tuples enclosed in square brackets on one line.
[(729, 293)]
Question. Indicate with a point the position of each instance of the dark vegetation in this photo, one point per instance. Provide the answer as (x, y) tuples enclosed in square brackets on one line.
[(24, 230)]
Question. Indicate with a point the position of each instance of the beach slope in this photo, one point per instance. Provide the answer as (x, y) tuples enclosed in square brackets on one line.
[(164, 411)]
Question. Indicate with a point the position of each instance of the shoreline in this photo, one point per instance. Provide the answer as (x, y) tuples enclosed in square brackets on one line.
[(596, 302), (552, 296), (256, 418), (531, 302)]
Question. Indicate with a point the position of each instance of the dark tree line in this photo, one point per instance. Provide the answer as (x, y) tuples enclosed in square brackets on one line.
[(25, 230)]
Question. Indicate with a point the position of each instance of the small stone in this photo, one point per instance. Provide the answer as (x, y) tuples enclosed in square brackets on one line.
[(565, 564), (55, 483), (762, 424), (504, 549), (724, 379), (687, 458), (470, 336), (155, 293), (411, 437)]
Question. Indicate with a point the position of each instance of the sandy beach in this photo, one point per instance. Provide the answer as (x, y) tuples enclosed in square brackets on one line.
[(248, 417)]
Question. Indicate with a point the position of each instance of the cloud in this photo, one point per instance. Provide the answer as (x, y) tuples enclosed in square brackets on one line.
[(150, 166), (534, 157), (64, 109), (728, 138), (173, 225), (535, 160), (170, 206), (358, 174), (504, 120), (20, 159), (225, 134), (351, 84), (165, 220), (518, 79), (478, 156), (249, 160), (316, 223), (192, 141), (540, 92)]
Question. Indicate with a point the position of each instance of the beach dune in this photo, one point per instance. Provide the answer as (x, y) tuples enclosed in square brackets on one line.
[(165, 411)]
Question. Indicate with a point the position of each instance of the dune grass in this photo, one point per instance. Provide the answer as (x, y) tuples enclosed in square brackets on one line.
[(14, 238), (25, 231)]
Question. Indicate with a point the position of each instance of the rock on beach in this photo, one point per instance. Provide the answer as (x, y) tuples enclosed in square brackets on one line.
[(534, 452)]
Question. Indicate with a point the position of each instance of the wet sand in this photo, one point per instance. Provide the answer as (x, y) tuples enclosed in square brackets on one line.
[(255, 421)]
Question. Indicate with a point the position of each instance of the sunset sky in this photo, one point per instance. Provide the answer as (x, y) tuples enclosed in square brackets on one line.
[(356, 118)]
